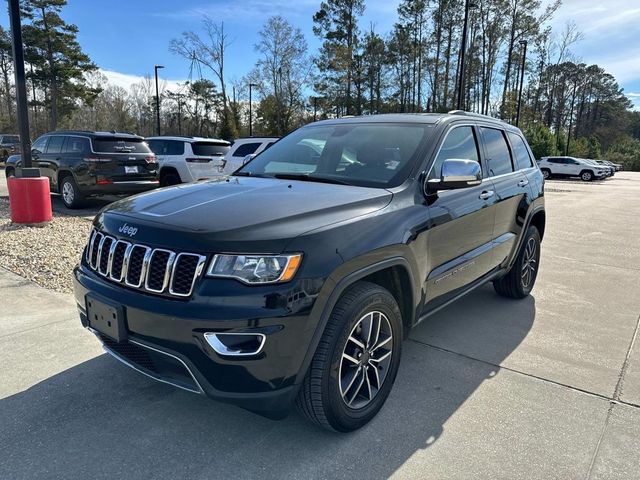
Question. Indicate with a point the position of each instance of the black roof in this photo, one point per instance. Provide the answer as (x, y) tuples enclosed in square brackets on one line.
[(428, 118), (93, 134)]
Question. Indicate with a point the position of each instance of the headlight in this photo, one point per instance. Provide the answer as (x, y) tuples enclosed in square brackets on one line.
[(255, 269)]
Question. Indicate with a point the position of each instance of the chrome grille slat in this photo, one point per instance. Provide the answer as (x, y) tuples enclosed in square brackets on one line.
[(158, 267)]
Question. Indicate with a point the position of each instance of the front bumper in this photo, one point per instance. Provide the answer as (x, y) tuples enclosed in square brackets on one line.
[(171, 332)]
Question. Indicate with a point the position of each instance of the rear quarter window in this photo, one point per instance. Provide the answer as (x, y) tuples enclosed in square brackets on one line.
[(119, 145), (520, 151), (77, 145)]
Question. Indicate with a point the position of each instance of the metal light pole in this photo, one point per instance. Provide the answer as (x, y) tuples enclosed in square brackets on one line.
[(315, 108), (21, 90), (251, 85), (155, 70), (463, 49), (524, 57)]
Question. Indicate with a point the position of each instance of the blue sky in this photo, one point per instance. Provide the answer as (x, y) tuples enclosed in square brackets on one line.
[(126, 38)]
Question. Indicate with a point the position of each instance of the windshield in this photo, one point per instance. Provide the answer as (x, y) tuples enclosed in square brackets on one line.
[(369, 155)]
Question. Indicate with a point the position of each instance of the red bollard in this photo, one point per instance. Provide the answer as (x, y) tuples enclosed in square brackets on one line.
[(29, 200)]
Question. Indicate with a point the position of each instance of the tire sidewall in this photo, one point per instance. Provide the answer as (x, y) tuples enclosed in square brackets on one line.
[(380, 301), (589, 176)]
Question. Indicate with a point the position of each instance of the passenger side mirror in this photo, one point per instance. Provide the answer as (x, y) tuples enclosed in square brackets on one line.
[(456, 173)]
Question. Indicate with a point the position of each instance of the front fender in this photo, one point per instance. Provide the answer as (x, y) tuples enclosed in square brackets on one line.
[(342, 278)]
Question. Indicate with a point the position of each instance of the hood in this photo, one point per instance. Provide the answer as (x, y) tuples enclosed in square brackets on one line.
[(238, 213)]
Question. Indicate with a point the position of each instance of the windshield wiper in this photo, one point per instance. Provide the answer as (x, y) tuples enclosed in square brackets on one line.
[(306, 177)]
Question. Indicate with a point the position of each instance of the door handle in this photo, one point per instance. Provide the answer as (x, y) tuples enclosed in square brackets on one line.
[(523, 183), (487, 194)]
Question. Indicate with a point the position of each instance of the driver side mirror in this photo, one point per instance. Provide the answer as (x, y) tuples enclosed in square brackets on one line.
[(456, 173)]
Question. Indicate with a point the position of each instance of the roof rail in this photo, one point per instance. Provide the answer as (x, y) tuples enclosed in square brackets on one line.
[(473, 114)]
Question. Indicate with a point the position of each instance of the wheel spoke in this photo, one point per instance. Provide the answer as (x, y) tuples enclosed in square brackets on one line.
[(357, 389), (381, 344), (350, 358), (378, 325), (369, 329), (374, 368), (356, 374), (357, 342), (366, 376), (378, 360)]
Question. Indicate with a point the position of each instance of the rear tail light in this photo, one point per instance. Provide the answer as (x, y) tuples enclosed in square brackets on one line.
[(150, 159), (198, 160)]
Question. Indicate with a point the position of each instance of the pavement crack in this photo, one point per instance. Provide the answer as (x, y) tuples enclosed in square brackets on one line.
[(617, 393), (596, 450), (530, 375)]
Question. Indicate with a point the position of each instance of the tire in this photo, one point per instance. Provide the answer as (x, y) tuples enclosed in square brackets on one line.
[(586, 176), (70, 193), (169, 178), (546, 173), (516, 283), (339, 393)]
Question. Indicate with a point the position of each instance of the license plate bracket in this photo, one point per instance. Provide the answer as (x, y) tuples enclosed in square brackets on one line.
[(133, 169), (106, 317)]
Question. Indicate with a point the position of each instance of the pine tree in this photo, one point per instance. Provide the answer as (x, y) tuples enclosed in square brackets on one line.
[(59, 64), (337, 24)]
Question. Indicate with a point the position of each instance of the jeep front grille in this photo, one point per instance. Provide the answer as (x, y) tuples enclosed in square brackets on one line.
[(154, 270)]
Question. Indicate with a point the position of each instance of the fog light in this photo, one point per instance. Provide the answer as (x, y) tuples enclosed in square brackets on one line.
[(236, 344)]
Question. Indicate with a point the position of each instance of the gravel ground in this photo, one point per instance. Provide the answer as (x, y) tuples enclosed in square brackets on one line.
[(45, 255)]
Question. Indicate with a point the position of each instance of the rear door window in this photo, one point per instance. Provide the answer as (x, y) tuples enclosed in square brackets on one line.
[(460, 143), (174, 147), (55, 144), (246, 149), (120, 145), (498, 155), (520, 151), (212, 149)]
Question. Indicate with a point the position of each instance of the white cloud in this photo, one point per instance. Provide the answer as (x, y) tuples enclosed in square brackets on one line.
[(126, 80)]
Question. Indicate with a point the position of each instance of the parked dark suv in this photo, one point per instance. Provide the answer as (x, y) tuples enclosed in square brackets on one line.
[(295, 279), (9, 145), (81, 164)]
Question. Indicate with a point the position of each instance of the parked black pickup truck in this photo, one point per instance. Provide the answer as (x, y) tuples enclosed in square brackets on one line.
[(295, 280), (82, 163)]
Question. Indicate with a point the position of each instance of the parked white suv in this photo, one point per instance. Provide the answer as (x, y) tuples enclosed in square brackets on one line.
[(243, 147), (571, 167), (187, 159)]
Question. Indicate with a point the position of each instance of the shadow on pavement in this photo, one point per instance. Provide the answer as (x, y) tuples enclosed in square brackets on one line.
[(102, 420)]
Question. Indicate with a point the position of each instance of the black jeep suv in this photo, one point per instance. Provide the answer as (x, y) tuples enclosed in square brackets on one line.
[(295, 279), (82, 163)]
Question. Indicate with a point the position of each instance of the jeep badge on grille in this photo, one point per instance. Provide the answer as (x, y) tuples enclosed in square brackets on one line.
[(128, 230)]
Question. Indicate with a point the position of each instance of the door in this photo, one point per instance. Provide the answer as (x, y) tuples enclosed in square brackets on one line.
[(459, 240), (511, 188), (37, 150), (50, 161)]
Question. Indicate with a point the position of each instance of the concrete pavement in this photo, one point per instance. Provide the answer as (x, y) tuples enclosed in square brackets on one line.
[(547, 387)]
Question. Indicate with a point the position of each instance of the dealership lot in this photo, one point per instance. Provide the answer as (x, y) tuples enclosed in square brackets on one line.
[(547, 387)]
